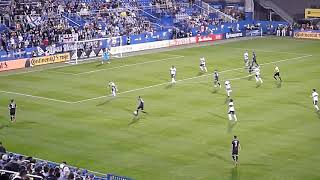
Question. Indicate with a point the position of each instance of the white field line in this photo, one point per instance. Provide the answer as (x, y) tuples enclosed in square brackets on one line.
[(270, 51), (195, 77), (147, 87), (37, 97), (129, 65), (37, 70), (232, 79)]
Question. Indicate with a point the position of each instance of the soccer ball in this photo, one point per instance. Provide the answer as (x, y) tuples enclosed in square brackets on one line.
[(135, 113)]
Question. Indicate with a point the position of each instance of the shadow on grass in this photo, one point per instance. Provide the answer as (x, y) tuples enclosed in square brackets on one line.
[(215, 91), (227, 100), (171, 85), (200, 73), (134, 120), (318, 113), (231, 125), (278, 84), (258, 85), (106, 101), (250, 78), (216, 115), (234, 175), (98, 65), (217, 156), (2, 126)]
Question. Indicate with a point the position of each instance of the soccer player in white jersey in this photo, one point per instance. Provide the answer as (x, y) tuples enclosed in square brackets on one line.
[(257, 74), (231, 113), (246, 58), (173, 72), (203, 66), (315, 99), (277, 73), (114, 88), (228, 88)]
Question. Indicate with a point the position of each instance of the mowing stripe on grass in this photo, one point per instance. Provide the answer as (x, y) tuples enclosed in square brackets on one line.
[(270, 51), (129, 65), (147, 87), (195, 77), (37, 97)]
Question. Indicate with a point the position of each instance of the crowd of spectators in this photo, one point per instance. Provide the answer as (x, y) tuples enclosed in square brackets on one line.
[(45, 22), (234, 12), (25, 166)]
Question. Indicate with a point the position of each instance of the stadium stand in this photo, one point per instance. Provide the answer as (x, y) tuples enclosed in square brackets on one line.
[(16, 166)]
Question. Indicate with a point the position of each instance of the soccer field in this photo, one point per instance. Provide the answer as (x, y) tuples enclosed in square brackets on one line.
[(66, 114)]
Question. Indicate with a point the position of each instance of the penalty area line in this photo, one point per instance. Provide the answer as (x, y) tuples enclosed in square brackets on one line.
[(128, 65), (195, 77), (36, 97)]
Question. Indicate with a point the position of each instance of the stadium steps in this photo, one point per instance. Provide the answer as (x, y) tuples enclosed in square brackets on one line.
[(268, 4)]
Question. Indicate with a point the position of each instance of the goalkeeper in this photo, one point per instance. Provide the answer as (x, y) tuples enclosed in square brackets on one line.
[(106, 57)]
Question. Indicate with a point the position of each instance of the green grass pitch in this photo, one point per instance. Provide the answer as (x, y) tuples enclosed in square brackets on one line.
[(64, 114)]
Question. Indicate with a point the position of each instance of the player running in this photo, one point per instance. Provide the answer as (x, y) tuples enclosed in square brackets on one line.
[(246, 58), (277, 73), (254, 59), (203, 66), (314, 96), (228, 88), (173, 72), (257, 74), (235, 148), (216, 78), (12, 110), (140, 106), (114, 88), (231, 112)]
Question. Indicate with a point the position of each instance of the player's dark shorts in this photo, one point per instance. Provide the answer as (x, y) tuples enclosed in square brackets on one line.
[(235, 152), (173, 75), (315, 102), (12, 112), (140, 106), (277, 74), (231, 112), (201, 65)]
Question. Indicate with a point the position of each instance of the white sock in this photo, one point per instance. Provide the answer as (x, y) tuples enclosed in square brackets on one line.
[(316, 106), (230, 117), (235, 117), (205, 69), (228, 94), (113, 93), (261, 80)]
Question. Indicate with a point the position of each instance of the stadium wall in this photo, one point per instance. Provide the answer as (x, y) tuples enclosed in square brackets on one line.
[(65, 51), (307, 34)]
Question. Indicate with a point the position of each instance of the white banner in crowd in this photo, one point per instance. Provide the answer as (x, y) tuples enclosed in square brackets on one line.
[(152, 45)]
